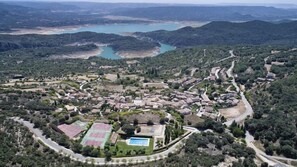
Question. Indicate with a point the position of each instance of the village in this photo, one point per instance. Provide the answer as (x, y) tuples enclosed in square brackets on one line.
[(131, 114)]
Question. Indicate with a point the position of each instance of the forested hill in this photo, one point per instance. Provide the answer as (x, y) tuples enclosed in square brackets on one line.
[(15, 16), (117, 42), (227, 33), (210, 13), (30, 15)]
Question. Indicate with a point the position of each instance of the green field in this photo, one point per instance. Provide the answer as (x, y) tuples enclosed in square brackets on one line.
[(123, 150)]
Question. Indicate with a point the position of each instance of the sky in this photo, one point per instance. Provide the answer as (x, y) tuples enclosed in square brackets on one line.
[(190, 1), (205, 1)]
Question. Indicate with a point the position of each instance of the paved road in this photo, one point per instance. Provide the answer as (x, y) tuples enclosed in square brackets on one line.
[(230, 75), (101, 161), (217, 73), (193, 71), (248, 108), (271, 160), (248, 112), (204, 95), (231, 56), (249, 142), (82, 85)]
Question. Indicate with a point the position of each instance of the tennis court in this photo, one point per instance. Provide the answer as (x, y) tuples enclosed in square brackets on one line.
[(97, 135)]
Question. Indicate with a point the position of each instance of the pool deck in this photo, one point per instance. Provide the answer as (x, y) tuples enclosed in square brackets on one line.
[(157, 132)]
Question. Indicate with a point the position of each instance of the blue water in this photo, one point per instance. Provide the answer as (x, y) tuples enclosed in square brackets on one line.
[(109, 53), (125, 28), (137, 141), (120, 29), (165, 48)]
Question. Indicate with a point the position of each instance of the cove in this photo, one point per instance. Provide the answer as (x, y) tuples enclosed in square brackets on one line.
[(109, 53), (121, 29)]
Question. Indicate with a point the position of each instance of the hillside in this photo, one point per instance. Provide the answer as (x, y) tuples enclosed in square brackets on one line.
[(118, 43), (227, 33), (210, 13), (33, 15)]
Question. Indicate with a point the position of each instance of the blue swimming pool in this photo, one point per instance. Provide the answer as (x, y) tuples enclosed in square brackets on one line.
[(138, 141)]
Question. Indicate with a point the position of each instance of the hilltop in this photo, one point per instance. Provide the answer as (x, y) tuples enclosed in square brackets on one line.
[(228, 33), (210, 13)]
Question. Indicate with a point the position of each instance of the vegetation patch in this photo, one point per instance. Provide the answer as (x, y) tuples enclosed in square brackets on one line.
[(122, 149)]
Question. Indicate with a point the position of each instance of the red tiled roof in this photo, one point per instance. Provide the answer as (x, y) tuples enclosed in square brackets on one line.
[(70, 130)]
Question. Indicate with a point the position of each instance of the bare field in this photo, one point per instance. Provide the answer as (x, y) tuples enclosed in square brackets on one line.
[(139, 54), (233, 111), (78, 55)]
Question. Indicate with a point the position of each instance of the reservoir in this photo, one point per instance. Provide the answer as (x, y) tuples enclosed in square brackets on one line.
[(109, 53), (165, 48), (122, 29)]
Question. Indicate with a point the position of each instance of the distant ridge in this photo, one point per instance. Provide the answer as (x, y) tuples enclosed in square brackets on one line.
[(210, 13), (227, 33)]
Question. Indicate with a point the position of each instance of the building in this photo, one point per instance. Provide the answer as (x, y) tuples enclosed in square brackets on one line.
[(71, 131), (114, 138)]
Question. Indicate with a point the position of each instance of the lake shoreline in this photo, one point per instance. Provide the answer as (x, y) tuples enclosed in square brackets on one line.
[(46, 30), (138, 54), (78, 55), (73, 28)]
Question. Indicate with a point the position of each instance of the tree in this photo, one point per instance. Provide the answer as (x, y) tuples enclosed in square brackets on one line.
[(63, 140), (163, 121), (237, 132), (269, 150), (264, 164), (107, 155), (288, 151), (95, 152), (37, 124), (167, 135), (138, 129), (150, 123), (135, 122), (128, 129), (249, 162), (77, 147), (223, 119), (87, 150)]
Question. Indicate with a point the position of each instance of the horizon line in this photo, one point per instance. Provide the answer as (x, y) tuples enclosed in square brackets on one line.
[(169, 3)]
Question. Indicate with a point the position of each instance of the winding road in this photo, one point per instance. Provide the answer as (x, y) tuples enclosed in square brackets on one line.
[(37, 134), (248, 108), (271, 160)]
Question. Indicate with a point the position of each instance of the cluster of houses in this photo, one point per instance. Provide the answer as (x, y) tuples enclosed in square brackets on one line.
[(226, 100), (270, 77), (184, 102), (180, 101), (177, 100), (186, 81)]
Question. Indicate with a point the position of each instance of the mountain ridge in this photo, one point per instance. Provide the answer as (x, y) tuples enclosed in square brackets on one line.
[(227, 33), (210, 13)]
